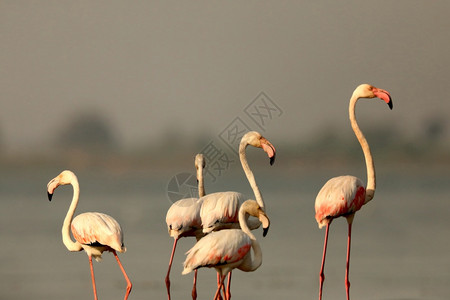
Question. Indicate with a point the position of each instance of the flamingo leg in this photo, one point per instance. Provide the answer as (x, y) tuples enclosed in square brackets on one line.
[(347, 282), (194, 288), (218, 285), (228, 295), (170, 266), (223, 289), (322, 274), (93, 277), (222, 279), (129, 285)]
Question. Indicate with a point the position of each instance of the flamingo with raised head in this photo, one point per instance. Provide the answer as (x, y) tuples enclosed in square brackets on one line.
[(220, 210), (94, 232), (183, 220), (345, 195), (227, 249)]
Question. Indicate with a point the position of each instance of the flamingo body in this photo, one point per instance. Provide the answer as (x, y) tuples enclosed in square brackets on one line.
[(96, 232), (340, 196), (218, 248), (220, 210), (183, 218)]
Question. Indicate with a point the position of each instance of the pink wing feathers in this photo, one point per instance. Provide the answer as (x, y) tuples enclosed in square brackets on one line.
[(92, 227), (218, 248), (339, 196)]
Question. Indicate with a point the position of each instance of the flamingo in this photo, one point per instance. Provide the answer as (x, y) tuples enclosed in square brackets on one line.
[(220, 210), (228, 249), (183, 220), (345, 195), (94, 232)]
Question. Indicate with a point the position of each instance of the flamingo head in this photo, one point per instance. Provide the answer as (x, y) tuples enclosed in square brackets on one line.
[(66, 177), (369, 91), (252, 208), (199, 161), (255, 139)]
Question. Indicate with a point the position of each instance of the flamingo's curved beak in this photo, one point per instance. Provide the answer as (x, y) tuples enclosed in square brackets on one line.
[(384, 95), (51, 186), (265, 221), (265, 230), (269, 149)]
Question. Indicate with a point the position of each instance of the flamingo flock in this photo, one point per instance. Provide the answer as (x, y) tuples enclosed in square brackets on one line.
[(222, 222)]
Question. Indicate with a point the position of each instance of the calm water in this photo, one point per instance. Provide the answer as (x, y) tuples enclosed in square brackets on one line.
[(400, 244)]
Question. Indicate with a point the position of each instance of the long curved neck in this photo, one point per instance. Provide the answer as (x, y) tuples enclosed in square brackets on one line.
[(253, 264), (250, 176), (201, 186), (371, 180), (71, 245)]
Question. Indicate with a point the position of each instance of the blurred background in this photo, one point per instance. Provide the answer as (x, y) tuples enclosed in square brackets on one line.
[(125, 93)]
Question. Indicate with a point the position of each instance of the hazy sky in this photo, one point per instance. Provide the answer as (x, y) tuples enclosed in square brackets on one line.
[(190, 65)]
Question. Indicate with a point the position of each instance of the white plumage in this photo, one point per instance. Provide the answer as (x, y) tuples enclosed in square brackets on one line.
[(218, 248), (229, 248), (220, 210), (94, 230)]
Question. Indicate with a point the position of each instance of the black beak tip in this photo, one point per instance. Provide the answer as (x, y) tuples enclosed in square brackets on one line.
[(390, 103), (265, 230), (272, 160), (49, 196)]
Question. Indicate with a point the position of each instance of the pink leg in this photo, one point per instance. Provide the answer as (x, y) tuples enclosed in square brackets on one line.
[(93, 277), (217, 295), (347, 282), (322, 274), (218, 285), (223, 288), (194, 288), (170, 266), (228, 286), (129, 285)]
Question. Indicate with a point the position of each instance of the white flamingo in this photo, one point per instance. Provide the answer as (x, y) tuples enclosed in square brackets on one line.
[(94, 232), (220, 210), (183, 220), (227, 249), (345, 195)]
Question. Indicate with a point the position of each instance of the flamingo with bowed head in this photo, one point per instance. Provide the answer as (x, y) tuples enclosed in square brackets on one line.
[(183, 220), (345, 195), (228, 249), (94, 232)]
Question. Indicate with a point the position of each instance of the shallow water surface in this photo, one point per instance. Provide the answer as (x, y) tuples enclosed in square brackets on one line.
[(399, 248)]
